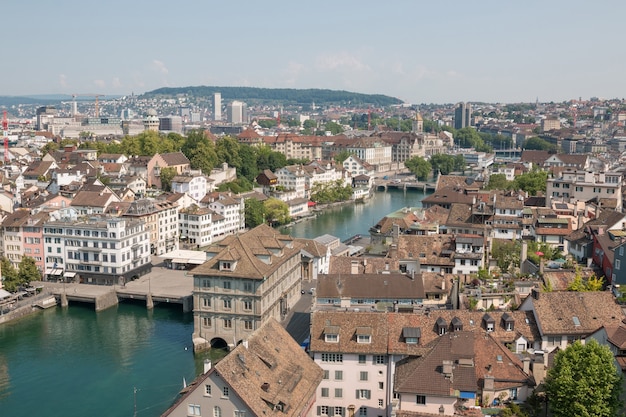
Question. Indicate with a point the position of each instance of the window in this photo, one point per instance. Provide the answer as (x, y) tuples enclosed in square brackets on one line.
[(363, 338), (217, 411), (332, 357), (379, 359), (363, 394), (326, 374), (362, 359), (225, 392), (227, 303), (207, 390), (323, 410), (554, 340), (381, 385), (381, 403), (420, 399), (617, 263), (338, 375), (206, 321), (239, 413), (247, 286), (363, 376), (193, 410), (247, 324), (338, 393), (331, 338), (362, 411), (513, 394), (247, 305), (228, 323), (324, 392), (206, 302), (227, 285)]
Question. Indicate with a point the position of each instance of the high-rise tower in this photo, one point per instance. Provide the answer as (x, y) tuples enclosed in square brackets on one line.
[(217, 106)]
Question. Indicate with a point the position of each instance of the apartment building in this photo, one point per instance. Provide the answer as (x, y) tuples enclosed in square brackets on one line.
[(249, 278), (100, 250), (575, 185), (22, 235), (161, 219), (194, 185), (196, 226), (231, 209)]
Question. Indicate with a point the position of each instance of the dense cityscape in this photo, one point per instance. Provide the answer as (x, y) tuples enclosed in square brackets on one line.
[(496, 290)]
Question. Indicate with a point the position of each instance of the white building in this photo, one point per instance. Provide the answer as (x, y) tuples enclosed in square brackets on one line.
[(232, 209), (194, 185), (103, 250), (196, 226), (572, 186)]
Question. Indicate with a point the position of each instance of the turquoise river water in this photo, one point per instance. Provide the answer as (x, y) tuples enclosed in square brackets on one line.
[(128, 361)]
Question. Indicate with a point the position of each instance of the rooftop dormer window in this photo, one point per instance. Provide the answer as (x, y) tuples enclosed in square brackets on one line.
[(411, 335), (363, 334), (508, 322), (331, 334), (440, 326)]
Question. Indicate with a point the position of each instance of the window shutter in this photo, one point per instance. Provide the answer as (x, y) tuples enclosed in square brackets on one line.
[(319, 410)]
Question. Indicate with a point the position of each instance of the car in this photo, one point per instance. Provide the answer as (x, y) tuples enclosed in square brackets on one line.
[(312, 291), (302, 291)]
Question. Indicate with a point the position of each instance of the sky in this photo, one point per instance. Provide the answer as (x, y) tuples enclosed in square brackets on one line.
[(442, 51)]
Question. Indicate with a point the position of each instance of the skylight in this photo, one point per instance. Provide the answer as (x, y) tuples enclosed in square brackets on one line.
[(576, 321)]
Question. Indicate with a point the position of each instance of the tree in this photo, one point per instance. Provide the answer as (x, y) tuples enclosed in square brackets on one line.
[(532, 182), (506, 253), (536, 143), (10, 280), (584, 382), (420, 167), (167, 174), (444, 163), (28, 271), (277, 211), (254, 212), (498, 182), (334, 128), (341, 156)]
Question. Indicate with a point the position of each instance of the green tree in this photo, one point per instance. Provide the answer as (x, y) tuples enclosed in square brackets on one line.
[(341, 156), (584, 382), (498, 182), (277, 212), (532, 182), (506, 253), (49, 148), (309, 126), (333, 127), (10, 279), (167, 174), (267, 123), (254, 212), (28, 271), (536, 143), (444, 163), (420, 167)]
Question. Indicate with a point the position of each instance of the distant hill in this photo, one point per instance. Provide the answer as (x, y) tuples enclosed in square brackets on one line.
[(282, 95), (8, 101)]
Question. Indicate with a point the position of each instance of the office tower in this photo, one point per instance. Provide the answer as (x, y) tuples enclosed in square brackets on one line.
[(217, 106), (237, 112), (463, 115)]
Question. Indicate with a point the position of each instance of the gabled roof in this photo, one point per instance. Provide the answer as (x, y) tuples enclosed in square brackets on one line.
[(175, 158), (385, 286)]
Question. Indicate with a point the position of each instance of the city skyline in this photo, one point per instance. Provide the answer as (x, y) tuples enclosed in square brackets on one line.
[(420, 52)]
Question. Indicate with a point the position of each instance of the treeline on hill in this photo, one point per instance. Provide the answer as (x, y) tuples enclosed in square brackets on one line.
[(202, 152), (283, 95)]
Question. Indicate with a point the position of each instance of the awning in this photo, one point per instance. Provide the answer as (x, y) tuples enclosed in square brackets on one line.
[(48, 271), (57, 272), (70, 274), (179, 261), (197, 261), (467, 394)]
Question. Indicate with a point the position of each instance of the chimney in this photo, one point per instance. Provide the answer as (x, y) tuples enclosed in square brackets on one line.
[(265, 386), (354, 270), (207, 366), (526, 364), (524, 254), (443, 283), (447, 368), (245, 344)]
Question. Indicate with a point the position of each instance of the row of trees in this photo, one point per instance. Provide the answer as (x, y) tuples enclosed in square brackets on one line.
[(13, 278), (531, 182), (324, 193), (439, 163), (271, 211)]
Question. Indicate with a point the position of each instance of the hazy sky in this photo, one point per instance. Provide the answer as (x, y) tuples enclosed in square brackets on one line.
[(419, 51)]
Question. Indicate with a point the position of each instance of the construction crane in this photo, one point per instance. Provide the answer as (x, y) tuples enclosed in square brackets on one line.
[(5, 131), (97, 96)]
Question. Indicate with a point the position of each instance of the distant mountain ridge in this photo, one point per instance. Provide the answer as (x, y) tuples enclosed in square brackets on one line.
[(284, 95)]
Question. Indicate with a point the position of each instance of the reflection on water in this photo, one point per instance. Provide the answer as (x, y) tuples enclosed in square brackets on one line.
[(351, 219)]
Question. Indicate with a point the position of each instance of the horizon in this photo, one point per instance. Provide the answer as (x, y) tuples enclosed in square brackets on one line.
[(419, 52)]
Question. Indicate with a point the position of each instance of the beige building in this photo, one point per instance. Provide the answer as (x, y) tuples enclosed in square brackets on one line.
[(574, 185), (248, 279)]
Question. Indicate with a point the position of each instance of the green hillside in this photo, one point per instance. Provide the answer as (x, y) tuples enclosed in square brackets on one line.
[(280, 95)]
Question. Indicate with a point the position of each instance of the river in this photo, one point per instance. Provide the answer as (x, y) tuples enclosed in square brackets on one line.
[(348, 220), (74, 362)]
